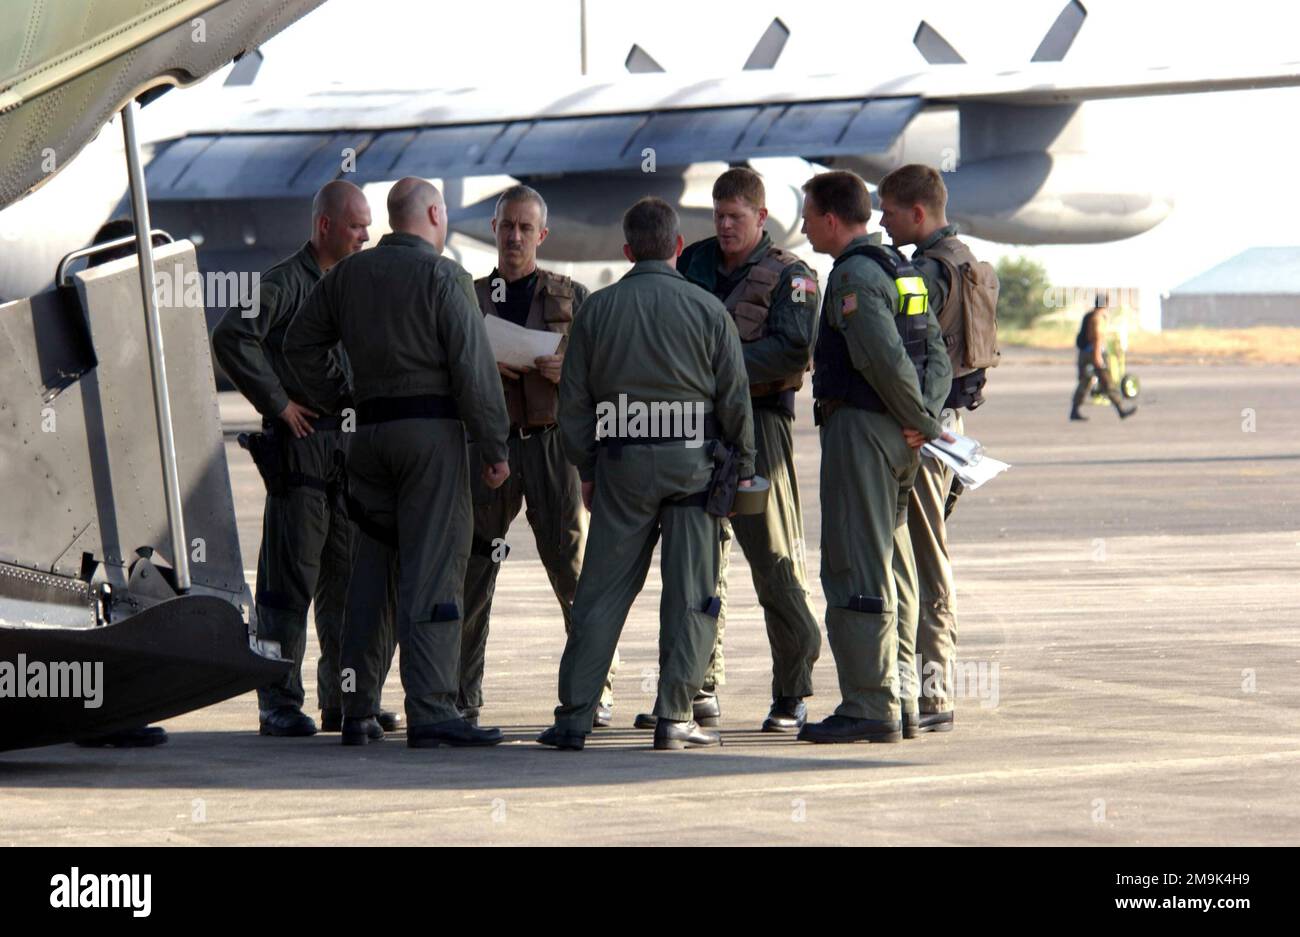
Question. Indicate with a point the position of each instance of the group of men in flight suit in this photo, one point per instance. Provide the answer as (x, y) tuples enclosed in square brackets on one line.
[(397, 453)]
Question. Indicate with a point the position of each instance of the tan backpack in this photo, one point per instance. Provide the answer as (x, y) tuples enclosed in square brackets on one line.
[(969, 317)]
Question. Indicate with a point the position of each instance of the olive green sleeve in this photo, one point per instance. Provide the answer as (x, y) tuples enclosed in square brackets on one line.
[(731, 406), (475, 380), (238, 342), (787, 348), (876, 350), (308, 342), (577, 413), (938, 366)]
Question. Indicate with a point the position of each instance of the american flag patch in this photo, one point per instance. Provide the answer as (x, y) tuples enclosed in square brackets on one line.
[(803, 284), (849, 305)]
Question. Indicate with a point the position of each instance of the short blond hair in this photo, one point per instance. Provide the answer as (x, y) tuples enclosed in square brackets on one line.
[(915, 184), (741, 183)]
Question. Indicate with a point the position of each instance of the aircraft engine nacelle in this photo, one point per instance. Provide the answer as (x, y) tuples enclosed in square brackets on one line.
[(1053, 198)]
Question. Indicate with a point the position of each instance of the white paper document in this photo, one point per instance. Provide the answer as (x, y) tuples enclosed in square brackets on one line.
[(966, 458), (517, 346)]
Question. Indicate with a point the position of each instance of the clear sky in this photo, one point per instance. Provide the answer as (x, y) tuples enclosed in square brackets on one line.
[(1227, 158)]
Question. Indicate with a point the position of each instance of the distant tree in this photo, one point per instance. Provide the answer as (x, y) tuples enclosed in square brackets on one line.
[(1023, 283)]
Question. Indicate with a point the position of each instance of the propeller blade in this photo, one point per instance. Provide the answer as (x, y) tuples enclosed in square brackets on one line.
[(934, 48), (769, 47), (245, 69), (1060, 37), (638, 61)]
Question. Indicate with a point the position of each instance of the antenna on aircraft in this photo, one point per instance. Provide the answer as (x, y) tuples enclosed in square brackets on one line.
[(582, 34), (246, 68)]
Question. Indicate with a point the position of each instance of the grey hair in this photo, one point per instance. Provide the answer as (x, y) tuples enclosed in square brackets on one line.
[(520, 193)]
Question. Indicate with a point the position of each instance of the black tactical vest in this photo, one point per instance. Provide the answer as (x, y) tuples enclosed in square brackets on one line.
[(834, 376)]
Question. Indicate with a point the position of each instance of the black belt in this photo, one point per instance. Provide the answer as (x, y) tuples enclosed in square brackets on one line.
[(417, 407), (527, 432), (697, 500), (782, 401)]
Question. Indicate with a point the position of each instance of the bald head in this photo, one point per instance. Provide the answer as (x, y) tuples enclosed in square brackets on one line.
[(415, 206), (340, 222)]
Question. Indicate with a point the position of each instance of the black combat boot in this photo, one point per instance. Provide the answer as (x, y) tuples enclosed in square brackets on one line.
[(458, 733), (556, 737), (788, 714), (359, 730), (674, 736), (848, 729), (286, 722)]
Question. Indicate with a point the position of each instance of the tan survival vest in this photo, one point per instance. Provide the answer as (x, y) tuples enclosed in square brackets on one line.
[(969, 317), (532, 400), (751, 301)]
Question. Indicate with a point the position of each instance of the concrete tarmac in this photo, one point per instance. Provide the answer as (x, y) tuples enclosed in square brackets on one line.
[(1127, 598)]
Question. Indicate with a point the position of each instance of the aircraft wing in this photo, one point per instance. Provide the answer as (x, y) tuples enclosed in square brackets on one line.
[(67, 68), (249, 144)]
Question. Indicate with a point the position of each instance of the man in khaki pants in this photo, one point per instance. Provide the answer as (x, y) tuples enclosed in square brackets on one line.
[(913, 202)]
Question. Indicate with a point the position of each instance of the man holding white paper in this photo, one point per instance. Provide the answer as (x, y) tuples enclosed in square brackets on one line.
[(963, 294), (519, 295)]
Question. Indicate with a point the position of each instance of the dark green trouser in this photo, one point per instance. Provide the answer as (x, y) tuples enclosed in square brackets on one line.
[(866, 472), (774, 546), (370, 635), (541, 476), (628, 514), (412, 477), (1086, 372), (305, 557), (936, 633)]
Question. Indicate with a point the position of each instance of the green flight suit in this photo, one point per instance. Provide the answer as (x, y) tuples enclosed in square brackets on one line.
[(413, 333), (305, 554), (866, 472), (936, 627), (773, 542), (651, 338), (542, 476)]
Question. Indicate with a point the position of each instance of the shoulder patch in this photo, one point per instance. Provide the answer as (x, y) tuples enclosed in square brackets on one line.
[(849, 305)]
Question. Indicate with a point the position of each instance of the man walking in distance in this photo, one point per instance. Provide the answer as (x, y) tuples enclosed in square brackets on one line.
[(421, 365), (305, 556), (879, 354), (963, 293), (529, 296), (650, 343), (1092, 361), (772, 297)]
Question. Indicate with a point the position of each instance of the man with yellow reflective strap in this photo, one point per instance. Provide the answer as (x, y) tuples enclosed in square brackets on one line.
[(880, 377)]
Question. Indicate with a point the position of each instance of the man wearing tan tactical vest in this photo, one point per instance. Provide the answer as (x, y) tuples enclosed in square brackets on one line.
[(523, 293), (963, 293), (772, 297)]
